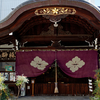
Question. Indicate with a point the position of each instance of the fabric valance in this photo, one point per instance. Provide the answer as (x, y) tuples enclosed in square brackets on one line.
[(33, 63), (76, 64)]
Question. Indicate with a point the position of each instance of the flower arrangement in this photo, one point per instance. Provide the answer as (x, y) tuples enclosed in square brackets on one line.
[(3, 87), (96, 91), (2, 79), (20, 80)]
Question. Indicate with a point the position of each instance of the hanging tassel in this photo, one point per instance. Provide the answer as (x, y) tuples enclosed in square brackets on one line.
[(56, 86)]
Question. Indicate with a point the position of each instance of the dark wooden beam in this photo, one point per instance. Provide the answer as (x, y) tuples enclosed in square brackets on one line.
[(54, 48), (75, 37)]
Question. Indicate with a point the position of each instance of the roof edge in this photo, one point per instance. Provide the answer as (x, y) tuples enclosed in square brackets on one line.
[(41, 3)]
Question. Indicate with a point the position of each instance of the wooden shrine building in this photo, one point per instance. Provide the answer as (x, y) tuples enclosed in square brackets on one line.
[(58, 32)]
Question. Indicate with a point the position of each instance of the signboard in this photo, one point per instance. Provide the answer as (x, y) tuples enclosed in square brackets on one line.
[(8, 68), (7, 55)]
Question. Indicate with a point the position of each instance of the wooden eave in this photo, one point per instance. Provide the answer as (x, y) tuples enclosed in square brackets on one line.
[(25, 13)]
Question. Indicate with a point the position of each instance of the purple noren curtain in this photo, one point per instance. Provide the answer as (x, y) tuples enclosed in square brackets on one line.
[(78, 64), (33, 63)]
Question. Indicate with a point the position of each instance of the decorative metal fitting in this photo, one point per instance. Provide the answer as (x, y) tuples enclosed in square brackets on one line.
[(55, 11)]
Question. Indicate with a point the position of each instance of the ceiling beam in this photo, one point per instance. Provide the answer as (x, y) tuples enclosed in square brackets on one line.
[(75, 37)]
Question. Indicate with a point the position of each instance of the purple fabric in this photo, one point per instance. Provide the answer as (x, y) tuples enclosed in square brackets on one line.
[(23, 60), (87, 70), (87, 62)]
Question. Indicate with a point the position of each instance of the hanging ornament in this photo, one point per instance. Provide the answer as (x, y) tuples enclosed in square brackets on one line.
[(56, 86)]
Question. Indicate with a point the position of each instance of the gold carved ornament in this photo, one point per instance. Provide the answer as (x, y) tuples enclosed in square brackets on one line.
[(55, 11), (11, 55), (4, 54)]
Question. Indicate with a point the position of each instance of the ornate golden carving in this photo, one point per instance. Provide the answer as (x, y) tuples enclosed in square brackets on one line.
[(7, 55), (11, 55), (4, 54), (55, 11)]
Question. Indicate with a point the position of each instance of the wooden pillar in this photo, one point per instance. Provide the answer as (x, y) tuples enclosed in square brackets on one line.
[(16, 44), (32, 82), (96, 43)]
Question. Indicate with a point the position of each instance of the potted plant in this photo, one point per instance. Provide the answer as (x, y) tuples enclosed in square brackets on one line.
[(20, 80)]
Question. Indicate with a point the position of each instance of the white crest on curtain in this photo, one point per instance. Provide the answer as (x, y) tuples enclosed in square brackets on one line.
[(39, 63), (75, 64)]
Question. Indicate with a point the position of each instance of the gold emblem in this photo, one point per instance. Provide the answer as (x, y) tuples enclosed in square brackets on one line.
[(55, 11)]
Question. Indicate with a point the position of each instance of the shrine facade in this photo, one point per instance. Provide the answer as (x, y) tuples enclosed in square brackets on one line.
[(55, 43)]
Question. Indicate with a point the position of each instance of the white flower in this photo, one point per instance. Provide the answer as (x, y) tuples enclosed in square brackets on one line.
[(39, 63), (2, 78), (2, 86), (75, 64), (22, 78)]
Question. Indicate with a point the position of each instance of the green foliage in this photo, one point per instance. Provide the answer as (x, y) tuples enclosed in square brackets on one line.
[(96, 91), (18, 83), (5, 94), (97, 75)]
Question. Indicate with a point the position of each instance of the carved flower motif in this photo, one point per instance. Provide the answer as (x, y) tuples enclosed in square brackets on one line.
[(75, 64), (55, 11), (39, 63)]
